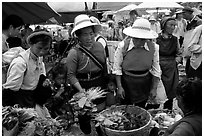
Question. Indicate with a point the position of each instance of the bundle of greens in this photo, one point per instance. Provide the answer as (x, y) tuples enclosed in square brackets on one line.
[(30, 124), (82, 102), (13, 115)]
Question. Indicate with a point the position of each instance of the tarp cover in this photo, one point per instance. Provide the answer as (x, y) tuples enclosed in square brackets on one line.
[(30, 12)]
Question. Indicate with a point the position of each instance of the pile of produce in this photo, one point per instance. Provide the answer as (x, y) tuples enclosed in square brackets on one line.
[(122, 120), (26, 122), (82, 102), (163, 118)]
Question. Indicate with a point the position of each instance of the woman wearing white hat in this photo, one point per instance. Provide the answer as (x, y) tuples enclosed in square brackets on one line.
[(136, 64), (86, 62)]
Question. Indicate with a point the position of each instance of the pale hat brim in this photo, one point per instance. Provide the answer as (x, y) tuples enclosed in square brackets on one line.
[(96, 26), (38, 33), (139, 33), (180, 11)]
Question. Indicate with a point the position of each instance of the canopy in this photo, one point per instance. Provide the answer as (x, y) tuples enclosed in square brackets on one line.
[(158, 5), (128, 8), (113, 6), (160, 11), (30, 12), (71, 6)]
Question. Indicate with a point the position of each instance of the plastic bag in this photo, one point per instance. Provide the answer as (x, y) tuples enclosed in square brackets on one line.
[(161, 96), (161, 93)]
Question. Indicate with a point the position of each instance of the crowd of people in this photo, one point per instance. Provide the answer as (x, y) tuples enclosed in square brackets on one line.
[(149, 51)]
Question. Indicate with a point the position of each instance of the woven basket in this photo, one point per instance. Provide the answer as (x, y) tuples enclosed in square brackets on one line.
[(142, 131)]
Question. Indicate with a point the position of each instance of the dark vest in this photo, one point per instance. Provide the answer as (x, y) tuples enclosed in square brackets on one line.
[(138, 59), (167, 47)]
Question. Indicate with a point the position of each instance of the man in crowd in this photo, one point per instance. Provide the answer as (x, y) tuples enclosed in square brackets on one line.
[(193, 22)]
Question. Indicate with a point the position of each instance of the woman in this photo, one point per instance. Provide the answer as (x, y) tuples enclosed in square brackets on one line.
[(136, 64), (189, 96), (11, 27), (169, 57), (86, 62), (25, 70)]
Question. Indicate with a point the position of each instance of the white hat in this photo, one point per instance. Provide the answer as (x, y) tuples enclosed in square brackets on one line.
[(94, 20), (140, 29), (82, 21), (152, 18)]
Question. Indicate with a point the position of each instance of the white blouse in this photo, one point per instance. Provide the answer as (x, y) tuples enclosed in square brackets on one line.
[(24, 72)]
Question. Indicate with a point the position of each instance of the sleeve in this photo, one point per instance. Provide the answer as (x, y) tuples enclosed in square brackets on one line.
[(102, 41), (15, 74), (118, 59), (183, 129), (71, 64), (195, 45), (156, 70)]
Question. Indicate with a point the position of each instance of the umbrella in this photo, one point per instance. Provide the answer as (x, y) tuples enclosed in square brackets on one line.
[(158, 5), (128, 8), (125, 10), (30, 12), (154, 11), (71, 6)]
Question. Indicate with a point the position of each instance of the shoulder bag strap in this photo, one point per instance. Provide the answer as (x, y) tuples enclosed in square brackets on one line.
[(94, 58)]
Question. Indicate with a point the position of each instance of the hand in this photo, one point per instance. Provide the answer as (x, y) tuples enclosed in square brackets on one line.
[(121, 92), (47, 83), (178, 59), (153, 94), (82, 90)]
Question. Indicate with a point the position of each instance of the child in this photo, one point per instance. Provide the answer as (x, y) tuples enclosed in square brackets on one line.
[(59, 89), (25, 70)]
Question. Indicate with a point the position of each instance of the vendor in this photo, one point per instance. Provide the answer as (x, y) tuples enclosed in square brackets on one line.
[(25, 70), (136, 64), (86, 62)]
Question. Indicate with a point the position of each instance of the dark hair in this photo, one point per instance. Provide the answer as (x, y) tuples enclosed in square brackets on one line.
[(13, 20), (120, 23), (133, 12), (14, 42), (45, 39), (164, 21), (191, 92)]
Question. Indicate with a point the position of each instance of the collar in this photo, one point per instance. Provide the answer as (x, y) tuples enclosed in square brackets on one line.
[(169, 36), (33, 56), (131, 45)]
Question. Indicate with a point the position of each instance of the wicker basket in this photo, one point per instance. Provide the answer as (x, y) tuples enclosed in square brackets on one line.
[(142, 131)]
